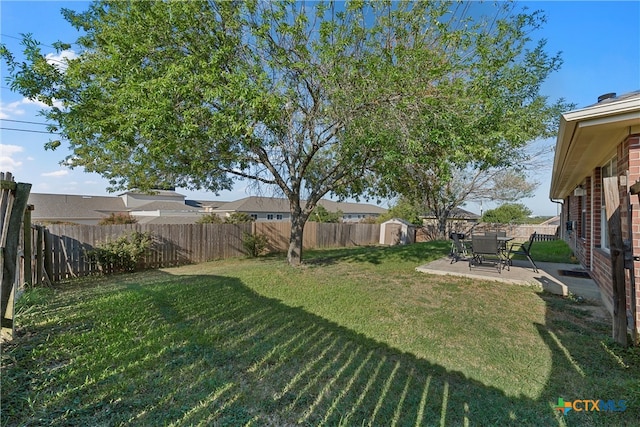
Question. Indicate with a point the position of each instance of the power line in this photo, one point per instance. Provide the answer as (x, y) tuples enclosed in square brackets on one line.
[(41, 44), (24, 121), (30, 131), (19, 38)]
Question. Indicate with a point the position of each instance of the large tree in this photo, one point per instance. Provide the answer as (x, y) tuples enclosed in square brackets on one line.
[(329, 98)]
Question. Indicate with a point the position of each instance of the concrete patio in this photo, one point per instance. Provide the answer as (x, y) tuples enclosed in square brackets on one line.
[(550, 276)]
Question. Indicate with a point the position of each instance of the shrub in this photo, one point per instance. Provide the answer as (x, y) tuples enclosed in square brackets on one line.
[(321, 214), (118, 219), (238, 218), (254, 244), (210, 219), (121, 254)]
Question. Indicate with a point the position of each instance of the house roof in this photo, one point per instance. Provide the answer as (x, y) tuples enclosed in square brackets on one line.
[(588, 137), (61, 207), (165, 205), (273, 204), (457, 213), (66, 207)]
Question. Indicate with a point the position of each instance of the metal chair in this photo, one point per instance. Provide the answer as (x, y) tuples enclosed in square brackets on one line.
[(523, 249), (458, 248), (487, 246)]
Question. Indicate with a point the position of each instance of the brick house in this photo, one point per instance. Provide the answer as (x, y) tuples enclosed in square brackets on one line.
[(599, 141)]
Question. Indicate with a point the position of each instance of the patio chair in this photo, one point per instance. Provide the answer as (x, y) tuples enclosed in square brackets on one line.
[(483, 247), (458, 248), (523, 249)]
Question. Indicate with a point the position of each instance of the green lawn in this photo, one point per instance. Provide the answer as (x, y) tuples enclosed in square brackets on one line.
[(354, 337)]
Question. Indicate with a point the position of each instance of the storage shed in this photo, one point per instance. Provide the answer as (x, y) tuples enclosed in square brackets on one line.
[(397, 232)]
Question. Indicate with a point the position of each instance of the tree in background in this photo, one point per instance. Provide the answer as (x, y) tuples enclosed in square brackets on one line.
[(210, 218), (238, 218), (334, 98), (438, 193), (509, 213), (404, 209), (321, 214)]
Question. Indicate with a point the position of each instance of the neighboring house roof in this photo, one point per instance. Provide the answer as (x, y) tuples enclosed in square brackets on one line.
[(62, 207), (457, 213), (204, 204), (351, 208), (587, 138), (273, 204), (256, 204), (163, 205), (552, 221)]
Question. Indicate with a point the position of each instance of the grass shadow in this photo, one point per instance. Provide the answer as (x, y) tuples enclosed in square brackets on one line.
[(170, 349)]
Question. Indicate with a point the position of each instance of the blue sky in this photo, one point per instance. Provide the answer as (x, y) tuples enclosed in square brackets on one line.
[(599, 41)]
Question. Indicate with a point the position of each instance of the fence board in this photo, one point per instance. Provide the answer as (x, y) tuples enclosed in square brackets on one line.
[(63, 247)]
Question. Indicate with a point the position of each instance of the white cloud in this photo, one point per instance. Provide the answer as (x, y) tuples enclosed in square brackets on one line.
[(16, 108), (59, 60), (57, 173), (9, 150), (12, 109), (9, 164), (7, 160)]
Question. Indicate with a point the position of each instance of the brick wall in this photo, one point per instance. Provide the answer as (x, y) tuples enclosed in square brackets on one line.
[(599, 262), (632, 148)]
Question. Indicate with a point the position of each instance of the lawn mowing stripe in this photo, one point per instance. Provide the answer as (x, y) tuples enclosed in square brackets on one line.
[(423, 402), (313, 381), (279, 347), (312, 350), (367, 387), (256, 338), (202, 404), (445, 401), (567, 354), (346, 388), (306, 369), (403, 396), (383, 394), (328, 385)]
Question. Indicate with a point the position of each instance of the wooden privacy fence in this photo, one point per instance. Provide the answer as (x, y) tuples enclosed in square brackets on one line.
[(60, 250)]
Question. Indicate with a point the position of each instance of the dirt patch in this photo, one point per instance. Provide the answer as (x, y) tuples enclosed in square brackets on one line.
[(597, 312)]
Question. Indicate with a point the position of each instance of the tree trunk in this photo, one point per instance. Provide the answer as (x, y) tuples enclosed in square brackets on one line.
[(294, 254), (442, 226)]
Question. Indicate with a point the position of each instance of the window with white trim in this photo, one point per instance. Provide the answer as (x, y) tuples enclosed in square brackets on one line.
[(607, 170), (270, 217)]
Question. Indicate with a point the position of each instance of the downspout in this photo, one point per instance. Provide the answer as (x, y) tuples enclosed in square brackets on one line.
[(561, 203)]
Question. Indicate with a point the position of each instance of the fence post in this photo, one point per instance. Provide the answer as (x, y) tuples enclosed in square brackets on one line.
[(10, 251), (616, 247), (48, 255), (28, 246), (39, 254)]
